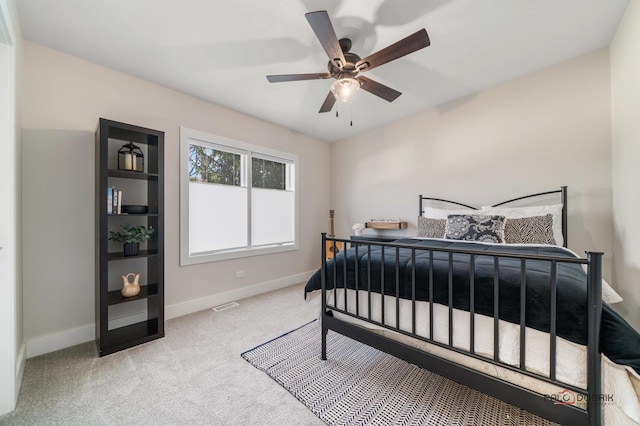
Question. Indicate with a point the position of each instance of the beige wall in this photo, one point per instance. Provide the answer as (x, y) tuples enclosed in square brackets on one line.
[(625, 101), (533, 134), (69, 94)]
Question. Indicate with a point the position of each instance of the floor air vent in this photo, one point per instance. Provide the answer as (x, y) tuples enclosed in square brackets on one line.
[(226, 306)]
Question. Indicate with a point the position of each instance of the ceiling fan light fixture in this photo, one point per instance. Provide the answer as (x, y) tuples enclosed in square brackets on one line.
[(344, 88)]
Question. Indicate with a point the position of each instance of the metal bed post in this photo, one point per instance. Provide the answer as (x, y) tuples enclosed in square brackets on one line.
[(323, 280), (563, 190), (553, 308), (594, 316)]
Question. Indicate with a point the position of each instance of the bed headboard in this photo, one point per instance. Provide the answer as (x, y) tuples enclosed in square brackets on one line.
[(563, 198)]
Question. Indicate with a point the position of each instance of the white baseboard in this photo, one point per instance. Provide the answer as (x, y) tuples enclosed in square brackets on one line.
[(21, 361), (86, 333), (195, 305), (60, 340)]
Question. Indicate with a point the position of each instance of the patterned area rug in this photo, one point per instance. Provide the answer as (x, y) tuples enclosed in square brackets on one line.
[(359, 385)]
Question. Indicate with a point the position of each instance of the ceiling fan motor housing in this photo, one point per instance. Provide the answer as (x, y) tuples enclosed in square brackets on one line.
[(349, 68)]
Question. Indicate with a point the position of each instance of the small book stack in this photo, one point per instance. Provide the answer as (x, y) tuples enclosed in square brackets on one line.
[(114, 200)]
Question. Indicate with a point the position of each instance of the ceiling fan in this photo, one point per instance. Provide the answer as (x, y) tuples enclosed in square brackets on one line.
[(345, 67)]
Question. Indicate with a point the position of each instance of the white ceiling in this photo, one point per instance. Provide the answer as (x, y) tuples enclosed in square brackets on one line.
[(221, 51)]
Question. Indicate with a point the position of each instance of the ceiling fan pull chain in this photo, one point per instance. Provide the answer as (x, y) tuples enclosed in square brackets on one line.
[(337, 109), (351, 113)]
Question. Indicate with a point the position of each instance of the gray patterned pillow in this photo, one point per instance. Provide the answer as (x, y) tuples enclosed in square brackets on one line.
[(489, 229), (431, 228), (530, 230)]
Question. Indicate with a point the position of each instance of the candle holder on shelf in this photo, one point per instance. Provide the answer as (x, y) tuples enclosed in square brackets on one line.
[(130, 158)]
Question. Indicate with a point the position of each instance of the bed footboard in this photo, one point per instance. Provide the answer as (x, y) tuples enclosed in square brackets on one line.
[(546, 406)]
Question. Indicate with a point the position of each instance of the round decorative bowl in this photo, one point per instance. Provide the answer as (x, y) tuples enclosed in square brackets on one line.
[(134, 209)]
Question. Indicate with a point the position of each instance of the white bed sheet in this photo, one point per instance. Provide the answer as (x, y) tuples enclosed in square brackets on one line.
[(620, 381)]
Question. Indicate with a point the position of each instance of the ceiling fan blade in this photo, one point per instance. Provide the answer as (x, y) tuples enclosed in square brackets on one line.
[(415, 41), (321, 25), (378, 89), (295, 77), (328, 103)]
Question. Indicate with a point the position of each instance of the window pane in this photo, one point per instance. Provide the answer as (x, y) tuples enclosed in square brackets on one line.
[(272, 216), (214, 166), (217, 217), (268, 174)]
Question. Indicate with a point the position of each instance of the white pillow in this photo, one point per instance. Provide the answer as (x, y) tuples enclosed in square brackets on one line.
[(519, 212), (609, 295), (434, 213)]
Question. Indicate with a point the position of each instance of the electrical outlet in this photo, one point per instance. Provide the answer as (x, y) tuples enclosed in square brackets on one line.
[(239, 274)]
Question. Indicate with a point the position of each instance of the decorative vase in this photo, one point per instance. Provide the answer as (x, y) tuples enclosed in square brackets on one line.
[(130, 288), (359, 232), (131, 249)]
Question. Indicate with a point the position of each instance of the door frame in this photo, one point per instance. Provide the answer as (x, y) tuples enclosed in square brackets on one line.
[(10, 367)]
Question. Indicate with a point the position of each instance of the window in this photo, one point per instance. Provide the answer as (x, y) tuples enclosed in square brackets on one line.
[(236, 199)]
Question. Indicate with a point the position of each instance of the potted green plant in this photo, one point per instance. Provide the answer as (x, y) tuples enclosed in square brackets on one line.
[(131, 237)]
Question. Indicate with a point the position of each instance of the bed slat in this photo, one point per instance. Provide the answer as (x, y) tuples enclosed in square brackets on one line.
[(523, 313), (450, 279), (369, 279), (382, 284), (398, 288), (357, 274), (496, 308), (413, 291), (552, 326), (344, 276), (472, 303), (431, 294)]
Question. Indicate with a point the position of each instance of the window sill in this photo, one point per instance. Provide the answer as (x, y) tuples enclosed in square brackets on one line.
[(195, 259)]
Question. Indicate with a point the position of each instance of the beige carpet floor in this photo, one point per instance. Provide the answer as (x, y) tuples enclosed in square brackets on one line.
[(193, 376)]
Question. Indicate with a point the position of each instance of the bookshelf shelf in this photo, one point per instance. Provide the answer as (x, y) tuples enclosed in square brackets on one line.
[(131, 175), (133, 215), (141, 332), (120, 255), (115, 297)]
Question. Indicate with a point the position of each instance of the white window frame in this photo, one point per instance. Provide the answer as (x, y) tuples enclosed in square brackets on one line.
[(187, 136)]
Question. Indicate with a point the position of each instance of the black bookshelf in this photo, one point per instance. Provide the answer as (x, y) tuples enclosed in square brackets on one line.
[(146, 188)]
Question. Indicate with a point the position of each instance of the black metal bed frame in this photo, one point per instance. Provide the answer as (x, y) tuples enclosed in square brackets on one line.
[(539, 404)]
